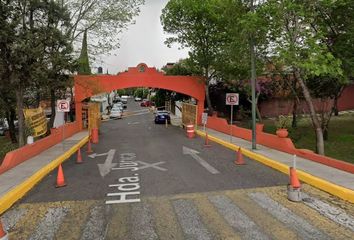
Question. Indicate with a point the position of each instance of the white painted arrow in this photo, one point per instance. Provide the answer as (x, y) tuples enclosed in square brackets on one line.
[(194, 154), (97, 155), (106, 167)]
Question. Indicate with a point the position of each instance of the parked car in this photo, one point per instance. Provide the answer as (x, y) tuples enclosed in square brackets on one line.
[(146, 103), (137, 99), (116, 113), (162, 116)]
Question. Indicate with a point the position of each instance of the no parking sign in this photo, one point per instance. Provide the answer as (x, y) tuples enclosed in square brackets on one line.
[(232, 98), (63, 106)]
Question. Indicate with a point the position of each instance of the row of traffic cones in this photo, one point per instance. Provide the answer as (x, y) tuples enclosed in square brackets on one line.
[(60, 176)]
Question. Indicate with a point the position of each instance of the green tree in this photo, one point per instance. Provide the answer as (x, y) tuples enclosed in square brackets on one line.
[(198, 26), (84, 64), (103, 20), (35, 53), (294, 44)]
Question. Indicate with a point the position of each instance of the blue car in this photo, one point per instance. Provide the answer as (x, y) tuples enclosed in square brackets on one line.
[(162, 116)]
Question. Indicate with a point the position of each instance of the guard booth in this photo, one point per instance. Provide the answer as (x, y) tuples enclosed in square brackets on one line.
[(94, 116), (189, 114)]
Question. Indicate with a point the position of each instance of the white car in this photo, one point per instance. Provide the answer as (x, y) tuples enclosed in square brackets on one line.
[(116, 113), (137, 99)]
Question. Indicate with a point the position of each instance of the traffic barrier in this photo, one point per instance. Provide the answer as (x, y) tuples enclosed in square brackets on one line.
[(206, 144), (239, 158), (94, 134), (79, 157), (89, 147), (190, 131), (294, 188), (60, 178), (3, 233), (294, 180)]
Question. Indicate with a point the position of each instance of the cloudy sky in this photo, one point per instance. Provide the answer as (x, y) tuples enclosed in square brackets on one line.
[(144, 42)]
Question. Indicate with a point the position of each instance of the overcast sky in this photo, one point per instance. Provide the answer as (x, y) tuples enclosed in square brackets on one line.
[(144, 42)]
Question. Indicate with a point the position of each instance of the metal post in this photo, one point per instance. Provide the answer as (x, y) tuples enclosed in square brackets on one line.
[(253, 87), (232, 113), (62, 140)]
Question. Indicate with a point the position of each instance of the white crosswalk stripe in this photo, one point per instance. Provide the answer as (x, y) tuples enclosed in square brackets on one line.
[(190, 221), (49, 224), (142, 223), (200, 216), (237, 218), (304, 229)]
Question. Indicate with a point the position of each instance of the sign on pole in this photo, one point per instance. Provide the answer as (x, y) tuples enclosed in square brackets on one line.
[(231, 99), (63, 106), (204, 118)]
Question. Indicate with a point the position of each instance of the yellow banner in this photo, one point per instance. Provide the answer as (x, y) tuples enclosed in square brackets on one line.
[(37, 120)]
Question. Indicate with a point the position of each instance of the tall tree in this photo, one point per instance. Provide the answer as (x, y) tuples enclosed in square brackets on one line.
[(103, 20), (292, 42), (84, 63), (198, 26)]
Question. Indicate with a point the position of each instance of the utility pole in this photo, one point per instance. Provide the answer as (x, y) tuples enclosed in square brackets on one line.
[(253, 87)]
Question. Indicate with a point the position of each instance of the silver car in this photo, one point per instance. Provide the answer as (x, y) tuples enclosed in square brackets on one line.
[(116, 113)]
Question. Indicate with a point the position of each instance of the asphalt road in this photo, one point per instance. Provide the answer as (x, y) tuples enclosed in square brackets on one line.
[(165, 169), (165, 194)]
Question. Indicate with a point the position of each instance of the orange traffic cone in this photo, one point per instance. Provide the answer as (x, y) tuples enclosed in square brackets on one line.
[(89, 148), (79, 157), (3, 233), (239, 159), (60, 178), (206, 144), (294, 181)]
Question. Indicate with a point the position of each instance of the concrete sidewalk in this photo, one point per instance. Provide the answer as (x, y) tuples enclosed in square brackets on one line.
[(15, 182), (281, 161)]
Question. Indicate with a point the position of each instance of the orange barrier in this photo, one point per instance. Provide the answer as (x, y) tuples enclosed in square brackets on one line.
[(190, 130), (94, 135), (60, 178), (275, 142), (28, 151), (294, 180), (239, 158), (79, 157)]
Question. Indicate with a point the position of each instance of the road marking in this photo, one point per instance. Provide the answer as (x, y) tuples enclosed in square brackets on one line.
[(107, 166), (95, 227), (303, 228), (335, 214), (191, 223), (10, 218), (126, 186), (237, 218), (47, 228), (193, 153), (142, 222), (98, 155), (150, 165), (133, 123)]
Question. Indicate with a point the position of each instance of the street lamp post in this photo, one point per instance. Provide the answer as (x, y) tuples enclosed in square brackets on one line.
[(253, 87)]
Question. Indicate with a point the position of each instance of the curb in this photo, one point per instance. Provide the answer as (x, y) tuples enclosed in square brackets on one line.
[(20, 190), (341, 192)]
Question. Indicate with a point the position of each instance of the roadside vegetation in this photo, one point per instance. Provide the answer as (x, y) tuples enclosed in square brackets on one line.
[(339, 144), (301, 46)]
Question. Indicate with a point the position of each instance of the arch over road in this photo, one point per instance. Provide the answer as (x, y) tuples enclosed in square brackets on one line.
[(140, 76)]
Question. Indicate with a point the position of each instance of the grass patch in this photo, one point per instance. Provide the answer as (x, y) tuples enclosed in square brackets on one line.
[(340, 143), (6, 146)]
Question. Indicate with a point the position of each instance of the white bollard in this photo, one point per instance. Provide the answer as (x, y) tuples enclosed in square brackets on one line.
[(30, 140)]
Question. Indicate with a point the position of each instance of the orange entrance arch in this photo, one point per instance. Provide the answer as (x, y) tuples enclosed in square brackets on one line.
[(140, 76)]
